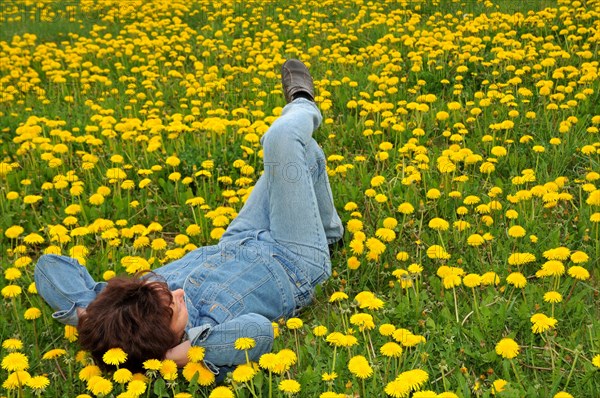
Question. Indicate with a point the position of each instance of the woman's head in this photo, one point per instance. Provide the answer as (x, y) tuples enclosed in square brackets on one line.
[(133, 314)]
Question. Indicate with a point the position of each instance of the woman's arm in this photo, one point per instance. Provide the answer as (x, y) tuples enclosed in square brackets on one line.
[(179, 353), (66, 286), (219, 341)]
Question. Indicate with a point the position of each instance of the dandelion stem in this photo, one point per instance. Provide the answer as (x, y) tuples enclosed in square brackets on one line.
[(270, 384), (60, 369), (35, 336), (441, 239), (297, 348), (512, 364), (442, 368), (334, 357), (363, 388), (572, 369), (570, 292), (475, 304), (14, 305), (455, 304)]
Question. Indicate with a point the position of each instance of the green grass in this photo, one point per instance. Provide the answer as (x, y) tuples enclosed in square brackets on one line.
[(183, 63)]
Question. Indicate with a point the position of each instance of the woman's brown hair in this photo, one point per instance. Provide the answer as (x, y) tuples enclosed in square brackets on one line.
[(133, 314)]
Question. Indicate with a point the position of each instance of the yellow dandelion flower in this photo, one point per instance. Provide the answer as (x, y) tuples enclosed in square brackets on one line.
[(31, 199), (353, 263), (475, 240), (354, 225), (373, 303), (136, 387), (553, 268), (244, 343), (363, 321), (386, 329), (205, 376), (541, 323), (498, 386), (433, 193), (472, 280), (294, 323), (12, 344), (558, 253), (359, 366), (216, 233), (451, 281), (552, 297), (168, 369), (11, 291), (437, 252), (221, 392), (195, 354), (517, 280), (12, 274), (16, 380), (520, 258), (490, 278), (391, 349), (594, 198), (114, 356), (578, 272), (287, 357), (15, 361), (439, 224), (397, 389), (289, 386), (33, 239), (158, 244), (507, 348), (377, 181), (55, 353), (516, 231), (269, 361), (319, 330), (14, 231), (71, 333), (88, 372), (579, 257), (38, 383), (596, 361), (152, 364), (243, 373), (122, 376), (413, 379), (562, 394), (338, 296), (98, 385), (415, 268), (385, 234), (406, 208)]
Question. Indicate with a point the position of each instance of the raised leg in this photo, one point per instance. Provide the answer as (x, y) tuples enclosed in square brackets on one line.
[(308, 168)]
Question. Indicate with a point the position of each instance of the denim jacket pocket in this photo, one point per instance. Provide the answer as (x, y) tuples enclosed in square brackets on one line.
[(221, 303)]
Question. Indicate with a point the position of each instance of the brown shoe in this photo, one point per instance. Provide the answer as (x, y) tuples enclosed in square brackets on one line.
[(296, 80)]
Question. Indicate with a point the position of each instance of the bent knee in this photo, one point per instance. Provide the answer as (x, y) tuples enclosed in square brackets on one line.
[(278, 139)]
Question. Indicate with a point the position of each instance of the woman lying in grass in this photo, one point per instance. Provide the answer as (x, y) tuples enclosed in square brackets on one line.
[(265, 266)]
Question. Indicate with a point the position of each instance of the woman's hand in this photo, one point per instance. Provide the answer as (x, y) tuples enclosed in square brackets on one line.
[(179, 353)]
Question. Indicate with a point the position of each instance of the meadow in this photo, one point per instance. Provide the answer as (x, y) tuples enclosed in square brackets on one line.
[(463, 152)]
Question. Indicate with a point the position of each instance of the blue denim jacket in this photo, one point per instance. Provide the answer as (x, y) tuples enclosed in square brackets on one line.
[(232, 290)]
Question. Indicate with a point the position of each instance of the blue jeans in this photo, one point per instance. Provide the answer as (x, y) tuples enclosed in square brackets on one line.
[(266, 264)]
